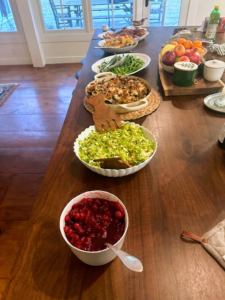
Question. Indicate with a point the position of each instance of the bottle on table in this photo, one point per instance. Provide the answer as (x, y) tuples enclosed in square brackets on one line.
[(214, 22), (221, 139)]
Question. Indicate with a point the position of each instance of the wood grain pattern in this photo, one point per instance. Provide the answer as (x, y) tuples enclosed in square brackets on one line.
[(30, 122), (19, 199), (182, 188), (103, 116), (12, 235), (3, 283)]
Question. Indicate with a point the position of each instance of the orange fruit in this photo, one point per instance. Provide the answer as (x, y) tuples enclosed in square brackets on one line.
[(181, 41), (187, 44), (174, 43), (197, 44), (200, 50)]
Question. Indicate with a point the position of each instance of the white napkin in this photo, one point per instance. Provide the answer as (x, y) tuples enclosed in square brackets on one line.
[(218, 49)]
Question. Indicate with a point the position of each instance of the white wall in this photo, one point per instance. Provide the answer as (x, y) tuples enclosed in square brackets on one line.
[(14, 54), (66, 52), (199, 9)]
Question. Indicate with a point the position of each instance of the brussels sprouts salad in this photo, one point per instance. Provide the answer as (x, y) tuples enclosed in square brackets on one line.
[(129, 143)]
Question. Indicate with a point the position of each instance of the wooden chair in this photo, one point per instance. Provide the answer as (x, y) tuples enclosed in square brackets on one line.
[(157, 8), (67, 14)]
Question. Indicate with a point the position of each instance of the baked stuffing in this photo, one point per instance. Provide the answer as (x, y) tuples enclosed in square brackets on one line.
[(119, 90)]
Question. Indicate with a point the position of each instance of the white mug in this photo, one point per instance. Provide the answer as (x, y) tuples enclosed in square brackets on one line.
[(105, 27)]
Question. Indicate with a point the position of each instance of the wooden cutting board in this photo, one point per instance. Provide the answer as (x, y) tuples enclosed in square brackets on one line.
[(202, 86)]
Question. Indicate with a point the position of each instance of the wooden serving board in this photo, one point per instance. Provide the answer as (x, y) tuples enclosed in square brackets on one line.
[(202, 86)]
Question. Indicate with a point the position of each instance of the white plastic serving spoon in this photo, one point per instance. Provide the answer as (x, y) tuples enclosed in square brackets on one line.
[(130, 261)]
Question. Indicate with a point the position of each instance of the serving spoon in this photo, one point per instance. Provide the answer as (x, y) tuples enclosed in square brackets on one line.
[(130, 261), (117, 64)]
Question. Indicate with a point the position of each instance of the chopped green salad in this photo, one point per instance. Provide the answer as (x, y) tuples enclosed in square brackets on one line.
[(130, 65), (128, 142)]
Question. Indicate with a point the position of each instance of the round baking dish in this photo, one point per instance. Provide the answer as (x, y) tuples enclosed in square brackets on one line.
[(122, 108)]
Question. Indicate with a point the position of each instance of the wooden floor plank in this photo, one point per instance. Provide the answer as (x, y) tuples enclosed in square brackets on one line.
[(38, 84), (29, 139), (54, 103), (11, 238), (20, 196), (3, 282), (64, 76), (30, 123), (5, 181), (24, 161)]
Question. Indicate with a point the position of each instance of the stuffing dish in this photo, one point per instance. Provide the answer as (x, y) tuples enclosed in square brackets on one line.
[(119, 89)]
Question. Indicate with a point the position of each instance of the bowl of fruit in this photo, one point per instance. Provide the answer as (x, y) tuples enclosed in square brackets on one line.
[(118, 44), (89, 221), (181, 50)]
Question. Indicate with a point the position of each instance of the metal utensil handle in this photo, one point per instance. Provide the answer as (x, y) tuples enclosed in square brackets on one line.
[(104, 75)]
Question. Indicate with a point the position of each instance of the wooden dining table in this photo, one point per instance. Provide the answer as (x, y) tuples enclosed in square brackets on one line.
[(182, 188)]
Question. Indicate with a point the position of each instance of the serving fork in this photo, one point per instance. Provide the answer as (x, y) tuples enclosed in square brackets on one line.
[(104, 116)]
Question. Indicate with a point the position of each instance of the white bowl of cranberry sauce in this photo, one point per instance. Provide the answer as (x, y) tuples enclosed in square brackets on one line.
[(90, 220)]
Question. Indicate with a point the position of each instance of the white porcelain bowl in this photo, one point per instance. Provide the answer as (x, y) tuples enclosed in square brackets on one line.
[(113, 172), (168, 69), (94, 258), (117, 50), (204, 52)]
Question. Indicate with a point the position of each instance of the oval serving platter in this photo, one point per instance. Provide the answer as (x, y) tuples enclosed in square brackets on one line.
[(146, 59)]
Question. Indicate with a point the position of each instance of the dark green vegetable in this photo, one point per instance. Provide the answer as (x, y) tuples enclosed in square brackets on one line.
[(131, 64), (104, 64)]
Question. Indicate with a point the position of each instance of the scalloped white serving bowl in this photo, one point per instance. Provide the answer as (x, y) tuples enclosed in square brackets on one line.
[(113, 172)]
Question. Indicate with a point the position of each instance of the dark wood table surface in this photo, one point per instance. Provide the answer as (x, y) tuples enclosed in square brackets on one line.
[(181, 188)]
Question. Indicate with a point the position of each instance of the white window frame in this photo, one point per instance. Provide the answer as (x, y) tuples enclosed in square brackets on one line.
[(69, 34)]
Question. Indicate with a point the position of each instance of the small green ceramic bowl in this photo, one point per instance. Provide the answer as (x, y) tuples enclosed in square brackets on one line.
[(184, 73)]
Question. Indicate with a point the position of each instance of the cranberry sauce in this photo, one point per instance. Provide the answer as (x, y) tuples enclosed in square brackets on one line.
[(93, 222)]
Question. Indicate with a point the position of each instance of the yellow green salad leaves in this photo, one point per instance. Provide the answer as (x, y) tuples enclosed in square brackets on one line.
[(128, 142)]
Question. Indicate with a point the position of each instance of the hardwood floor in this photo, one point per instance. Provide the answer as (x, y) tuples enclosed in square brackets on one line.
[(30, 123)]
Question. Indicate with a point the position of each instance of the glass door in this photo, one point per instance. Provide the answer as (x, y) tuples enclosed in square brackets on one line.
[(114, 13), (69, 14), (62, 14), (7, 22), (163, 12)]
